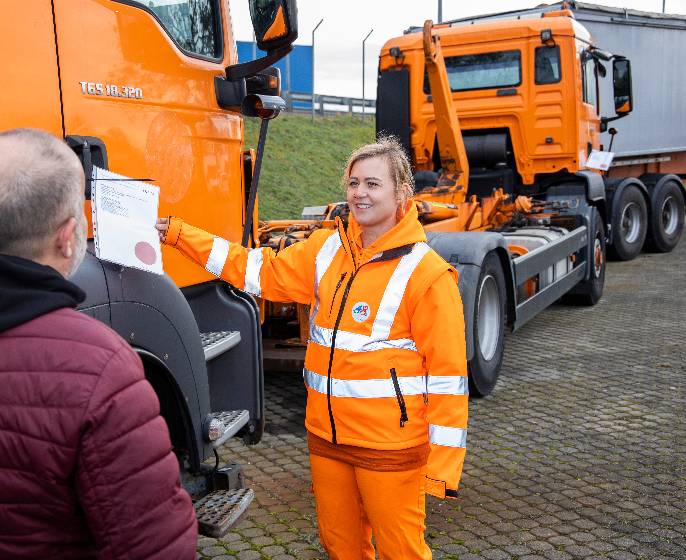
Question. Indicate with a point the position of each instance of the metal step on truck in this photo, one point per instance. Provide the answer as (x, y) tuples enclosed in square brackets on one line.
[(153, 90), (506, 119)]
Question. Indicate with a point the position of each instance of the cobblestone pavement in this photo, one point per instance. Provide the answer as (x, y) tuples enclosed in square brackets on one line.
[(580, 452)]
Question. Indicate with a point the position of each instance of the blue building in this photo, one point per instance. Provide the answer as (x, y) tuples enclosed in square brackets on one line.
[(296, 67)]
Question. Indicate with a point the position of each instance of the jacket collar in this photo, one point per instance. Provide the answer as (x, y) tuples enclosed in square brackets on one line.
[(406, 231), (29, 290)]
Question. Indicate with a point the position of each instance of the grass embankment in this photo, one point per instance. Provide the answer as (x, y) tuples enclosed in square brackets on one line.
[(303, 161)]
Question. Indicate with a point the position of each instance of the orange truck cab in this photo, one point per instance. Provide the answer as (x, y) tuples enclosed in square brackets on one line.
[(153, 90), (530, 88)]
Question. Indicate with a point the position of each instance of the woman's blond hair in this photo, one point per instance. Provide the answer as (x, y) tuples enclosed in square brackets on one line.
[(389, 148)]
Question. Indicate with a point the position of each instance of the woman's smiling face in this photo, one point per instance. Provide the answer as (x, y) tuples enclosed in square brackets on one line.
[(371, 196)]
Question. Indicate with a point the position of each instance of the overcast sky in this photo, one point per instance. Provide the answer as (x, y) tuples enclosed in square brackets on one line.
[(338, 41)]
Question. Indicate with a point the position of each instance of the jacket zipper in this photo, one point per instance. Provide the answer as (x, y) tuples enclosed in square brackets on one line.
[(335, 292), (401, 399), (346, 291)]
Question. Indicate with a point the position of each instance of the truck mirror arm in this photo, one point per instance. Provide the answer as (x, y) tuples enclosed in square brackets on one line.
[(605, 120), (600, 54), (250, 210), (245, 69)]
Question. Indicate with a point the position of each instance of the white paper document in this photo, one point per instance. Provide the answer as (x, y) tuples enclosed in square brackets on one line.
[(600, 160), (124, 217)]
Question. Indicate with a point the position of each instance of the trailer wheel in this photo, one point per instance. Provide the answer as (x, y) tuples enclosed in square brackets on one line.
[(590, 291), (629, 224), (489, 328), (666, 217)]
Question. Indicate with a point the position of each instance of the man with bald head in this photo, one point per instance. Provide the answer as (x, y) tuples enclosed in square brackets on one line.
[(86, 468)]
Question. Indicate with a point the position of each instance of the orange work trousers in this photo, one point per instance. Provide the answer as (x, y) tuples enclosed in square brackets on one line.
[(353, 503)]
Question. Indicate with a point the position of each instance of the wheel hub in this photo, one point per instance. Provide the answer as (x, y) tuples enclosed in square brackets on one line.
[(669, 215), (488, 317), (630, 223), (598, 257)]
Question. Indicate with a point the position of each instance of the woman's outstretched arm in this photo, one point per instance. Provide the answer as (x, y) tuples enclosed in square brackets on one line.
[(288, 276)]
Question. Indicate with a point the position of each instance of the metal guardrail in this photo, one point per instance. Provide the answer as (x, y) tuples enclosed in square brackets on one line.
[(328, 104)]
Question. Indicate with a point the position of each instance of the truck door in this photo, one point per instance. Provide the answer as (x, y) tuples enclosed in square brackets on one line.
[(139, 75), (30, 93), (589, 122)]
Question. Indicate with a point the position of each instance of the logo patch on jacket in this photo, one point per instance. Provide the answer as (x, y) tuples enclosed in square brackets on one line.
[(361, 311)]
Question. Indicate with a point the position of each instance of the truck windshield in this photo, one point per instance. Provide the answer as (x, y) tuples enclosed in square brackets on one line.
[(483, 71)]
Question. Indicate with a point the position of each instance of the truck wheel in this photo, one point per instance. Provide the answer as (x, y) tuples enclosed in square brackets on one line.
[(489, 328), (425, 180), (629, 224), (666, 217), (590, 291)]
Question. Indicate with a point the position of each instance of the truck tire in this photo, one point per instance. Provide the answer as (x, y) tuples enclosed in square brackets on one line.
[(489, 328), (425, 180), (589, 292), (666, 221), (629, 224)]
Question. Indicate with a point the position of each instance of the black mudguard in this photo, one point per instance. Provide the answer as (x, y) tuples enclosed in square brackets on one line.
[(466, 251), (151, 313)]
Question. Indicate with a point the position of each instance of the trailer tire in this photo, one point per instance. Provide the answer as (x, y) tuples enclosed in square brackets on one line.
[(629, 224), (590, 291), (666, 221), (489, 327)]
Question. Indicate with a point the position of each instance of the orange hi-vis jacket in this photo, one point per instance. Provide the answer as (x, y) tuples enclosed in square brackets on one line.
[(386, 365)]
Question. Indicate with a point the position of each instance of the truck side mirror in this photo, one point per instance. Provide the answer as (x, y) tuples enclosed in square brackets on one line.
[(275, 23), (621, 80)]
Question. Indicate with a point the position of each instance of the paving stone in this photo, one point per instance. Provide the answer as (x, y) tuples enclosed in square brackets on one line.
[(249, 555), (262, 541), (495, 554), (213, 551), (621, 555), (273, 550), (456, 549), (543, 532), (578, 453), (557, 555), (238, 546)]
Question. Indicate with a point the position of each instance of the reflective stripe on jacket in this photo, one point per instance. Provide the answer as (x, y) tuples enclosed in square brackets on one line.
[(385, 366)]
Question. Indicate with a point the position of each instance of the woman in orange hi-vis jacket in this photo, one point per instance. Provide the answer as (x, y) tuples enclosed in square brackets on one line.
[(385, 368)]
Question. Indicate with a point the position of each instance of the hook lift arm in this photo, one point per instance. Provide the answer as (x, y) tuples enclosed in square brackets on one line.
[(450, 144)]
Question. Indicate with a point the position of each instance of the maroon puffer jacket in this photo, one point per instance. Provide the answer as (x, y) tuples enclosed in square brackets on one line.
[(86, 469)]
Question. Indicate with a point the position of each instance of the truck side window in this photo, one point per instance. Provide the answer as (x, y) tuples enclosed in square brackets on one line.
[(547, 65), (588, 75), (194, 25)]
